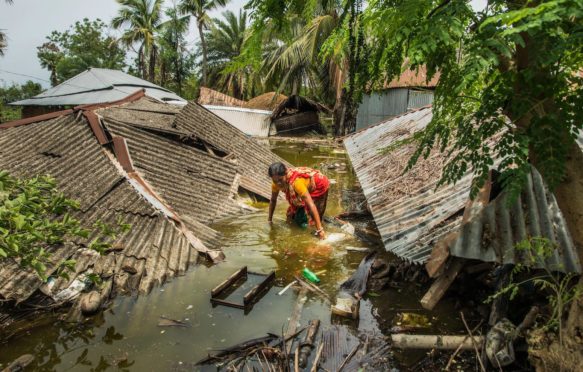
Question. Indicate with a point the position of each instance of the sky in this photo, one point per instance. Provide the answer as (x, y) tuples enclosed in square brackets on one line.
[(28, 22)]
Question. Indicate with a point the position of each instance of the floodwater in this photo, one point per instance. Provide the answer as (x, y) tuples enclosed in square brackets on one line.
[(126, 336)]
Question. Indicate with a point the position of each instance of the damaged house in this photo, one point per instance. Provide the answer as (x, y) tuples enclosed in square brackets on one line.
[(440, 226), (252, 122), (168, 173)]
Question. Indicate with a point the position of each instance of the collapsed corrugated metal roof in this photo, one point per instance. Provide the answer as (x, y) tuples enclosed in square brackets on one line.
[(410, 213), (197, 184), (98, 85), (253, 159), (66, 148), (494, 230)]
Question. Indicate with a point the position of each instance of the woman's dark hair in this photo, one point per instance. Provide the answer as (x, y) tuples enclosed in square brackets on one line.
[(277, 169)]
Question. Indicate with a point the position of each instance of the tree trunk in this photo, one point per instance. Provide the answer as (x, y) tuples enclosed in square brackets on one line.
[(204, 54), (54, 80), (141, 64), (152, 64)]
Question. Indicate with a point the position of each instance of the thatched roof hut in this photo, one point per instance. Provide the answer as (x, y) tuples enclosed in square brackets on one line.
[(298, 114), (267, 101), (212, 97)]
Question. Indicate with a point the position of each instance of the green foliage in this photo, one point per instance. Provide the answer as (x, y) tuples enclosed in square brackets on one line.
[(14, 93), (85, 44), (35, 217), (285, 44), (558, 287), (511, 69)]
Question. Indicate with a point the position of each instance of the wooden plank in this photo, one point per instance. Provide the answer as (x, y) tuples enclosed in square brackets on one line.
[(441, 284), (252, 294), (229, 281), (216, 301)]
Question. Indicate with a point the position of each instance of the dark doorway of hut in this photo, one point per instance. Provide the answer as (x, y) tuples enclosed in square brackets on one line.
[(176, 326)]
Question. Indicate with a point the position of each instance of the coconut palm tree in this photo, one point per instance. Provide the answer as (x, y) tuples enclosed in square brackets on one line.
[(143, 19), (199, 9), (225, 42), (173, 49), (3, 43)]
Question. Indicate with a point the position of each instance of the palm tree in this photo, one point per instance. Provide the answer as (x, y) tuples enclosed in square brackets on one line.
[(225, 43), (199, 10), (3, 43), (174, 47), (143, 18)]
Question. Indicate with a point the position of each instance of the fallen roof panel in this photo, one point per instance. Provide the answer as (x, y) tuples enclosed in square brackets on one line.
[(410, 213), (493, 232), (253, 159)]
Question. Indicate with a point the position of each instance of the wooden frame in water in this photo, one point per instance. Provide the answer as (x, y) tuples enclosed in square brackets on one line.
[(221, 294)]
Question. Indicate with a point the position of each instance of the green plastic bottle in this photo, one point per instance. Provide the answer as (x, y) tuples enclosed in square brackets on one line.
[(308, 274)]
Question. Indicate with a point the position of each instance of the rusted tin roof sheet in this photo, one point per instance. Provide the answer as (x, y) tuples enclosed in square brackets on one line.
[(413, 78), (252, 158), (157, 247), (409, 212), (492, 233), (212, 97)]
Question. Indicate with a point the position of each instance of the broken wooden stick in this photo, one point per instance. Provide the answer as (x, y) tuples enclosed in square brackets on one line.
[(441, 342), (313, 288), (474, 344), (308, 344), (317, 359)]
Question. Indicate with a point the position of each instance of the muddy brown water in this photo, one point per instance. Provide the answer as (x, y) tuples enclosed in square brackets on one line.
[(126, 335)]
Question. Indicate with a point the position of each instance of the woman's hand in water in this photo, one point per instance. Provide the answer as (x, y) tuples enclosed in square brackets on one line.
[(321, 234)]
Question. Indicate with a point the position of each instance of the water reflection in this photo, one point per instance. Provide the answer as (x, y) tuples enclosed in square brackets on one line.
[(127, 336)]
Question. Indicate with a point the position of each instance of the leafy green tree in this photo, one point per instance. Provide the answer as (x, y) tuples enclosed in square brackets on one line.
[(513, 68), (225, 43), (13, 93), (49, 55), (35, 217), (73, 51), (292, 40), (143, 19), (199, 9)]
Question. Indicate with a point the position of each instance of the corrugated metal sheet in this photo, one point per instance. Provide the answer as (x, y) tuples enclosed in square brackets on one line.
[(379, 106), (410, 213), (66, 149), (253, 159), (491, 235), (98, 85), (419, 98), (249, 121)]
